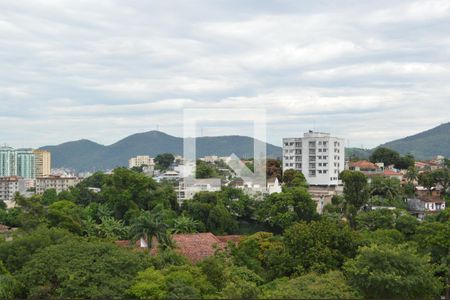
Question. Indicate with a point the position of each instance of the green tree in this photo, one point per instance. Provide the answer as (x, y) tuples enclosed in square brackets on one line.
[(185, 224), (385, 187), (385, 155), (389, 272), (356, 193), (65, 214), (320, 245), (147, 226), (442, 178), (49, 196), (412, 174), (294, 178), (149, 284), (427, 180), (280, 210), (405, 162), (331, 285), (205, 170), (17, 252), (81, 269), (164, 160)]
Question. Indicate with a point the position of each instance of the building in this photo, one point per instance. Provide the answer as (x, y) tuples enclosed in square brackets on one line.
[(140, 160), (55, 182), (42, 163), (8, 161), (365, 167), (8, 187), (322, 195), (26, 167), (187, 188), (319, 156)]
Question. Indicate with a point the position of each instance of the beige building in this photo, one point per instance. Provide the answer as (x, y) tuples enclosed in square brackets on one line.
[(43, 163), (140, 160), (55, 182)]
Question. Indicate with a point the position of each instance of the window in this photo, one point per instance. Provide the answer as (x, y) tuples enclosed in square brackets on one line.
[(320, 164), (319, 171), (324, 171), (320, 150)]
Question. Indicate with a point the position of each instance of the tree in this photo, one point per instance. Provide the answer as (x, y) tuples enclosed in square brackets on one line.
[(205, 170), (19, 251), (385, 155), (442, 178), (331, 285), (50, 196), (65, 214), (111, 228), (320, 245), (356, 193), (163, 161), (273, 169), (175, 282), (148, 225), (427, 180), (385, 187), (280, 210), (81, 269), (405, 162), (397, 272), (412, 174), (185, 224), (294, 178)]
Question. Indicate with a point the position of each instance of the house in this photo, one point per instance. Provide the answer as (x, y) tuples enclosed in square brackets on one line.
[(424, 203), (393, 174), (364, 166), (322, 195), (194, 246), (188, 187)]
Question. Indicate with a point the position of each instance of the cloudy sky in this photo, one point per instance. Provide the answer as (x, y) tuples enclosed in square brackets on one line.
[(368, 71)]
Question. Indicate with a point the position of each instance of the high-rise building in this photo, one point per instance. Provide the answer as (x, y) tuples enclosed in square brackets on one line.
[(42, 162), (317, 155), (26, 167), (8, 161)]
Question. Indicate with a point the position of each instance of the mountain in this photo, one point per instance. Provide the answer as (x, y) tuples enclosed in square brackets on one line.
[(85, 155), (424, 145)]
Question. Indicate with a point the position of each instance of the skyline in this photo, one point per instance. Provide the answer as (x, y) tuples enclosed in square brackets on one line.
[(367, 72)]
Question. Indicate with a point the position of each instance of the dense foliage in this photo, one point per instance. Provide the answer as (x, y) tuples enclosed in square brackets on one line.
[(65, 243)]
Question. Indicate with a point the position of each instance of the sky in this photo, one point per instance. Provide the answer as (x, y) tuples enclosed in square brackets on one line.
[(366, 71)]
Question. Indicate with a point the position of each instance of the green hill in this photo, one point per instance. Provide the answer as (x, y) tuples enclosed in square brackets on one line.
[(424, 145), (84, 155)]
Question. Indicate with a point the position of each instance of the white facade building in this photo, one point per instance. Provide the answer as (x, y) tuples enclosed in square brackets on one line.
[(319, 156)]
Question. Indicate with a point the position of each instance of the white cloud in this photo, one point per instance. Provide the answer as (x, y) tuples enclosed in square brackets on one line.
[(368, 71)]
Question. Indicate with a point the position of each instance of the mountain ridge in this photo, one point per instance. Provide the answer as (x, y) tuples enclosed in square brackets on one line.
[(87, 155)]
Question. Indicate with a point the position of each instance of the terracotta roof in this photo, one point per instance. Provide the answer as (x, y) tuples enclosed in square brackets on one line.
[(392, 173), (363, 164)]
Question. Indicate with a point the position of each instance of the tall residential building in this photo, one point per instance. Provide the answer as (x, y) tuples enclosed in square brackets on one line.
[(26, 167), (319, 156), (140, 160), (42, 162), (8, 161)]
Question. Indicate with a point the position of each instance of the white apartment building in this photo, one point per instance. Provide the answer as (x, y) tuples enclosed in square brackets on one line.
[(187, 191), (55, 182), (140, 160), (319, 156)]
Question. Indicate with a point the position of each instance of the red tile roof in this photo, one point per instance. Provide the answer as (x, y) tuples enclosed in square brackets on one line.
[(392, 173), (195, 246), (363, 164)]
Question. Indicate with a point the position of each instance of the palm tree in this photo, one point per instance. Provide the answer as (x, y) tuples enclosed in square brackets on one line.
[(185, 224), (412, 174), (112, 228), (146, 226)]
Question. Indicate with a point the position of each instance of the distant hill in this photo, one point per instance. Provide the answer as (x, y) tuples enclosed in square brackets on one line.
[(424, 145), (85, 155)]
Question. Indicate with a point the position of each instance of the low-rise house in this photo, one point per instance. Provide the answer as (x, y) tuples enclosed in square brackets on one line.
[(364, 166), (393, 174), (194, 246), (322, 195), (420, 206)]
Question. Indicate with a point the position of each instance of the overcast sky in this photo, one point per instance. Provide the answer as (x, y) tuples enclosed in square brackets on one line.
[(367, 71)]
